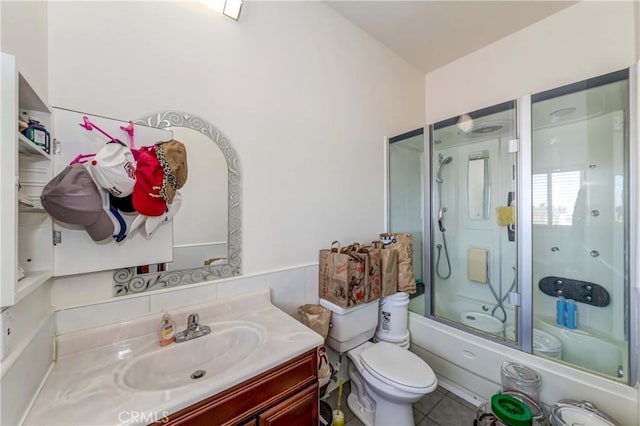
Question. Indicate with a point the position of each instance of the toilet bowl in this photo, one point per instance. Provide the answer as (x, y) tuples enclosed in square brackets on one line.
[(382, 391), (543, 342), (386, 378), (482, 322)]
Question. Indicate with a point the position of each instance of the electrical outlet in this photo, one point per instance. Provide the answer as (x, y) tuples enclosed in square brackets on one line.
[(6, 320)]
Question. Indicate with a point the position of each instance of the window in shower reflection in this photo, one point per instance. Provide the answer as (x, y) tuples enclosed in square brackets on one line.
[(473, 242), (406, 206), (580, 212), (554, 196)]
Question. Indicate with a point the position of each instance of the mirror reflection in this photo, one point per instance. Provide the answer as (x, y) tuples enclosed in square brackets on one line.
[(478, 185), (206, 230), (200, 228)]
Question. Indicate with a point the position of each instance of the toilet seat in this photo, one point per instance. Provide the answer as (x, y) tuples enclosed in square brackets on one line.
[(398, 367)]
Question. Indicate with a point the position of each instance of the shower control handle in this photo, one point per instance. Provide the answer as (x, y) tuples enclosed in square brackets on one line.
[(441, 212)]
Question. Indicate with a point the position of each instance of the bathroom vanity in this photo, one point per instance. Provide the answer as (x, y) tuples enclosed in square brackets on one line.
[(285, 395), (258, 366)]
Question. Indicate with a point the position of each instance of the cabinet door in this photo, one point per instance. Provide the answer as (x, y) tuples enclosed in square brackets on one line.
[(77, 252), (301, 409), (25, 228)]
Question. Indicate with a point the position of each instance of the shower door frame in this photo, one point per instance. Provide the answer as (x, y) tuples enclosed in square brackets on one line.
[(633, 292), (524, 233), (524, 340)]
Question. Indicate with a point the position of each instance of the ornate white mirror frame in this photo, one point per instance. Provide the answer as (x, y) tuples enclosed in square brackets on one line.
[(126, 281)]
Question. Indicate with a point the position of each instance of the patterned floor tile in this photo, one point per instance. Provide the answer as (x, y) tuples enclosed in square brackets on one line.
[(451, 412), (426, 404)]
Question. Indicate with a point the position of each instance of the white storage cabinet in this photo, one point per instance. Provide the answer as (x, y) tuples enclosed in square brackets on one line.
[(27, 234)]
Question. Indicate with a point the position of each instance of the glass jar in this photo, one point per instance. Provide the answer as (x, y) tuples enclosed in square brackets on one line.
[(538, 412), (522, 379), (503, 410), (567, 412)]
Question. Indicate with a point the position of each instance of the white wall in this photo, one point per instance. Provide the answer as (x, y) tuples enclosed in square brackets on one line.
[(304, 96), (24, 34), (582, 41)]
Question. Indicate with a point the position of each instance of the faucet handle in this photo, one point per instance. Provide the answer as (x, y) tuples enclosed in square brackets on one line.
[(194, 329), (193, 319)]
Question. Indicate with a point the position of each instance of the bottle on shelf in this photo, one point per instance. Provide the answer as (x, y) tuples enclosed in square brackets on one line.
[(38, 134), (572, 315), (561, 311)]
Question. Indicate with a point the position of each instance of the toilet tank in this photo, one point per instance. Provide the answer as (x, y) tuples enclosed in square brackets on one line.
[(352, 326)]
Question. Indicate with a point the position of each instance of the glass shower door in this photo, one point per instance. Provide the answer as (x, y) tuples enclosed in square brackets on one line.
[(473, 238), (580, 224), (406, 200)]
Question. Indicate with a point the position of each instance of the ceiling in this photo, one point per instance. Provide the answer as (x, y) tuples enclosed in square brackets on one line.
[(430, 34)]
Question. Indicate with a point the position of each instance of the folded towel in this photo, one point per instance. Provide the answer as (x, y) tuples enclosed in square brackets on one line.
[(477, 264)]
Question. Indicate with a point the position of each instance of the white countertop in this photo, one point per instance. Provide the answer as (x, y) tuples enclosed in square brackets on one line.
[(85, 386)]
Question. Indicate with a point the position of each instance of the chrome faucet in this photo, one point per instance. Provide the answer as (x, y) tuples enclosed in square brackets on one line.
[(194, 329)]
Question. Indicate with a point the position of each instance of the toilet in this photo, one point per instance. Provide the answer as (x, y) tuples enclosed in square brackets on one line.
[(543, 342), (385, 377)]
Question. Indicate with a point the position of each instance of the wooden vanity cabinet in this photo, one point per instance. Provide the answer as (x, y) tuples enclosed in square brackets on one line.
[(286, 395)]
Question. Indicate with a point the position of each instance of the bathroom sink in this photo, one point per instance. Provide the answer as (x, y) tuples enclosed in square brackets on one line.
[(203, 358)]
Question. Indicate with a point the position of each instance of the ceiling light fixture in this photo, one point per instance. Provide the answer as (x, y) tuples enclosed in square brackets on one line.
[(465, 123), (232, 9), (229, 8)]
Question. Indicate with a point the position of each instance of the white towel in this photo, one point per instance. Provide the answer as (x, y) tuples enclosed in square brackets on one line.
[(477, 264)]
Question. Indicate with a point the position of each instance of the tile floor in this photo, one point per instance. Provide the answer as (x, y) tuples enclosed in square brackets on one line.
[(439, 408)]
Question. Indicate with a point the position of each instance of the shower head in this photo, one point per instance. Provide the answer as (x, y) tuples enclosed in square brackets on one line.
[(443, 161)]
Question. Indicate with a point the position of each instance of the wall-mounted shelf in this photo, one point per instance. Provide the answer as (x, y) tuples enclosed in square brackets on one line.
[(26, 238), (27, 209), (27, 147), (30, 282)]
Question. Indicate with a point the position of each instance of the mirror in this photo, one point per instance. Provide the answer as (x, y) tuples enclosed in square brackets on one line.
[(478, 185), (206, 229)]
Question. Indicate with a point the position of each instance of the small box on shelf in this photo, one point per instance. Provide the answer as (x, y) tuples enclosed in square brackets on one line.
[(37, 133)]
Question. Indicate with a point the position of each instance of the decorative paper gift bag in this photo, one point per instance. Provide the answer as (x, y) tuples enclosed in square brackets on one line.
[(374, 272), (342, 275), (333, 277), (403, 243), (357, 269), (388, 270)]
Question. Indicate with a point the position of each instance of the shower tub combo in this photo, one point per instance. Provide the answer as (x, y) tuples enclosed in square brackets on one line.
[(527, 249)]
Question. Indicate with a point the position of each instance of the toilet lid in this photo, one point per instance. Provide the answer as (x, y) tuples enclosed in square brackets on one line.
[(398, 367)]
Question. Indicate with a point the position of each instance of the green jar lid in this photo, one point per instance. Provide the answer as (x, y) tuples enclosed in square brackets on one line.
[(510, 410)]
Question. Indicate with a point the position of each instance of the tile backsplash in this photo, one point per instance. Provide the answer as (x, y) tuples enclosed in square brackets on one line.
[(290, 288)]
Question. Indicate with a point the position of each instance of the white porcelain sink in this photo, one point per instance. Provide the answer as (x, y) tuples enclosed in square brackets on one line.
[(173, 366)]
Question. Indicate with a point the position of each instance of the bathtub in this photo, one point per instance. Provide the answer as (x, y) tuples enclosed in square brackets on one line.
[(452, 306), (588, 349), (469, 365)]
